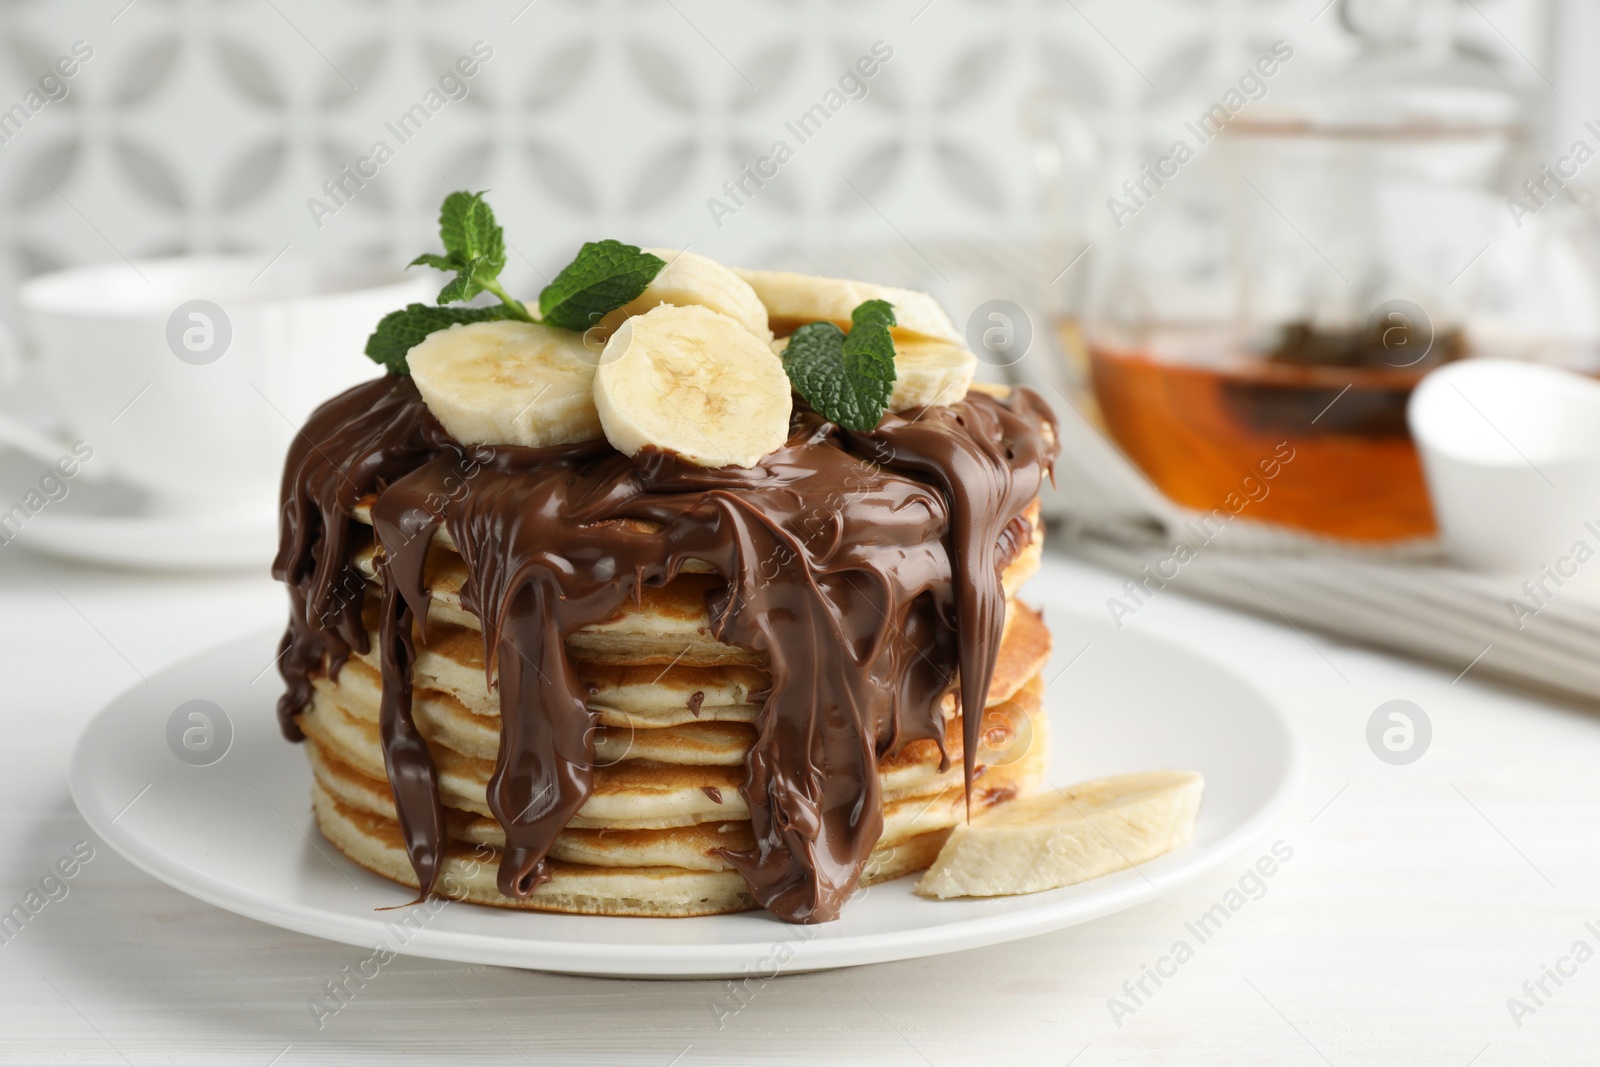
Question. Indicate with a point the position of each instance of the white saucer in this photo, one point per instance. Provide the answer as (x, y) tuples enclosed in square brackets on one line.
[(239, 833), (109, 523)]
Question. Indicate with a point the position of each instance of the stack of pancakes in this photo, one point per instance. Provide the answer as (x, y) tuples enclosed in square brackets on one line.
[(674, 711)]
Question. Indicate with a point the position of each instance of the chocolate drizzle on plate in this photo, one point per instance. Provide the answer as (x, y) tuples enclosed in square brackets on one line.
[(865, 569)]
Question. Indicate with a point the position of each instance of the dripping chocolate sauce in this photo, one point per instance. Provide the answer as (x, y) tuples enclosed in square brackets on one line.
[(864, 567)]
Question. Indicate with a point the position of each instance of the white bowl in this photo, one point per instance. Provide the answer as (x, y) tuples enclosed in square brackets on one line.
[(1511, 451)]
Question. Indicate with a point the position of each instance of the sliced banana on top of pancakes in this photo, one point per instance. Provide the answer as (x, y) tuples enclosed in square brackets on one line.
[(506, 382), (690, 366), (692, 381)]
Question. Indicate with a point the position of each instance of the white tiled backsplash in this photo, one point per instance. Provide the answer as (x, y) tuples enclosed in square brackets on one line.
[(213, 124)]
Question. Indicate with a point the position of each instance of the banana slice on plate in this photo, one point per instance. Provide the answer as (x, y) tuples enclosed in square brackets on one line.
[(692, 279), (695, 382), (926, 372), (508, 383), (1060, 837), (792, 300)]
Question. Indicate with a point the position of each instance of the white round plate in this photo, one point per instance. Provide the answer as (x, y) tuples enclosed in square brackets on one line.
[(239, 833)]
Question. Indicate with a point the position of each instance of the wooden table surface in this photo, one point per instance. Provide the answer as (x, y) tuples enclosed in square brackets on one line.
[(1418, 902)]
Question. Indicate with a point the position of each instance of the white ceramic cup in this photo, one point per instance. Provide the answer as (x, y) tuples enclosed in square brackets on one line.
[(188, 377), (1511, 452)]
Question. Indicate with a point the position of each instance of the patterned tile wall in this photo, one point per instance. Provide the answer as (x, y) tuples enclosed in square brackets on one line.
[(209, 124)]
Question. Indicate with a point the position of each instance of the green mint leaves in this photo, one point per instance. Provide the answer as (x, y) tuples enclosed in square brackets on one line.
[(475, 248), (604, 276), (399, 331), (847, 378)]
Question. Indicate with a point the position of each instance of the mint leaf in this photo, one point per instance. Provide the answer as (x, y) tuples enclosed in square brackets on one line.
[(814, 361), (475, 249), (468, 283), (400, 331), (469, 231), (604, 276), (878, 315), (847, 378), (869, 354), (430, 259)]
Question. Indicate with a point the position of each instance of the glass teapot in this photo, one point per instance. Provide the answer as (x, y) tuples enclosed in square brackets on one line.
[(1276, 280)]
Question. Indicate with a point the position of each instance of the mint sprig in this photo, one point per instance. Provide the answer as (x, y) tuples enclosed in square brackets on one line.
[(400, 331), (475, 249), (847, 378), (604, 276)]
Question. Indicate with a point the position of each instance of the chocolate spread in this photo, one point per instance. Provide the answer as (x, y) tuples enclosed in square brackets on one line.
[(864, 567)]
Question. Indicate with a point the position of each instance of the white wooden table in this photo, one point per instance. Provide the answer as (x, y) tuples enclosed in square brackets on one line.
[(1418, 900)]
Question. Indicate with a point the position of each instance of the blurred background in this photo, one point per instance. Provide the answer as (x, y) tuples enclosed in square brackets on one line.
[(1228, 239), (206, 126)]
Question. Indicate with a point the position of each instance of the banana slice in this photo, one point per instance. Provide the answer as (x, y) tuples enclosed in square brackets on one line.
[(1062, 837), (926, 372), (508, 383), (690, 278), (692, 381), (792, 300)]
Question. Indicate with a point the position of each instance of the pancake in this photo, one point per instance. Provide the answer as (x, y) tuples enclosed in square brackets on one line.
[(630, 794), (440, 715), (670, 872), (668, 624), (690, 845), (450, 664), (646, 794), (468, 872)]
